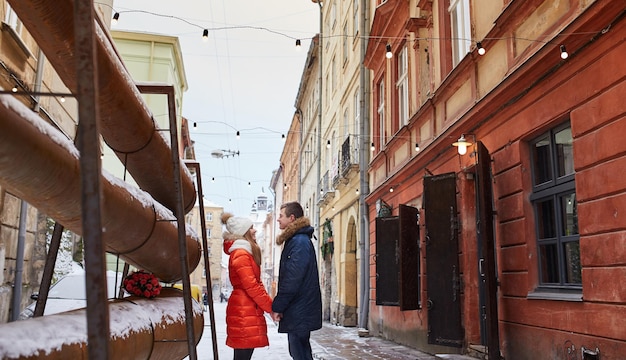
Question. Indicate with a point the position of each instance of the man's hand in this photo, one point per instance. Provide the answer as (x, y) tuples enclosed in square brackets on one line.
[(277, 316)]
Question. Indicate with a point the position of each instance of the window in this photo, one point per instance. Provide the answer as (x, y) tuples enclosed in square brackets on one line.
[(355, 22), (345, 43), (12, 20), (346, 123), (460, 26), (402, 86), (381, 113), (555, 207), (209, 216), (208, 233), (357, 112)]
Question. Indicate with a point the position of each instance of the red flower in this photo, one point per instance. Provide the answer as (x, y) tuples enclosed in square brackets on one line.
[(141, 283)]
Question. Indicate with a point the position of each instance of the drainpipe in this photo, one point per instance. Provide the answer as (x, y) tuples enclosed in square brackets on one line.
[(21, 235), (19, 264), (363, 180), (319, 123)]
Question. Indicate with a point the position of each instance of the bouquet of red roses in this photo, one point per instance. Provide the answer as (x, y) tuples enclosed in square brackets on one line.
[(141, 283)]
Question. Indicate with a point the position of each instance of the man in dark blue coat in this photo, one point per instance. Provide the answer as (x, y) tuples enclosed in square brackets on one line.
[(298, 303)]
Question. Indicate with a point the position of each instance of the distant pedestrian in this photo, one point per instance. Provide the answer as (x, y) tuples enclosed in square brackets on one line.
[(298, 303), (246, 327)]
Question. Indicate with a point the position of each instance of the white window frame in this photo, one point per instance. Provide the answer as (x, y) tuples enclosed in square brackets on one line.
[(12, 20), (402, 87), (356, 19), (381, 112), (460, 27)]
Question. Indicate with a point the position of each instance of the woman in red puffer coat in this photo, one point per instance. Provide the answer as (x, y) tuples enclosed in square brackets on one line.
[(246, 327)]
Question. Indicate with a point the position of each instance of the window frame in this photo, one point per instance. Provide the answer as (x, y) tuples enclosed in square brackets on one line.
[(380, 111), (554, 190), (402, 86), (460, 28)]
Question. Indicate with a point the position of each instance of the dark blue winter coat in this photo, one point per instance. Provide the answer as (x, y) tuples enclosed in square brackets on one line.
[(299, 297)]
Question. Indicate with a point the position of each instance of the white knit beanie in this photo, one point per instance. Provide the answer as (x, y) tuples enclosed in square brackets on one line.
[(236, 227)]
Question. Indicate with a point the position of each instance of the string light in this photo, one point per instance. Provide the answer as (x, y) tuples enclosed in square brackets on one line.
[(372, 147), (388, 54), (481, 49), (391, 189), (298, 44), (238, 135), (328, 144), (14, 88), (116, 18), (564, 54), (417, 147), (205, 35), (283, 137), (62, 99)]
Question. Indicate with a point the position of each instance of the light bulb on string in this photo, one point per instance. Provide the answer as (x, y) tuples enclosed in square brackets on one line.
[(298, 44), (238, 135), (388, 53), (564, 54), (115, 19), (205, 35), (481, 49)]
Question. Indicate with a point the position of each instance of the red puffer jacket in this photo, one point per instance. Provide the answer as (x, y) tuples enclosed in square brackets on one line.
[(245, 323)]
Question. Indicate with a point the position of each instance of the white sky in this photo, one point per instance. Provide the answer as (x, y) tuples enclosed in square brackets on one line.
[(246, 75)]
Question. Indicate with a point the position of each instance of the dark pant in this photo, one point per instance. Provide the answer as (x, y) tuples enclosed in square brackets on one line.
[(243, 354), (299, 345)]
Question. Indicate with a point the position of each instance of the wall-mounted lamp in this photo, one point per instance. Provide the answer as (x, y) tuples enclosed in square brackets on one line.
[(388, 53), (462, 145)]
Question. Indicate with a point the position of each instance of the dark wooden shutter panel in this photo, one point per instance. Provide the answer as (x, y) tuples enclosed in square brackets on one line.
[(387, 267), (409, 258)]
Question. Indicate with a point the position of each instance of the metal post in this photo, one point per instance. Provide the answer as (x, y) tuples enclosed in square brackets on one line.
[(89, 147), (48, 270), (205, 252)]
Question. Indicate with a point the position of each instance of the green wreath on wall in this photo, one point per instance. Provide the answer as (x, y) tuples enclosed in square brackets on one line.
[(328, 246)]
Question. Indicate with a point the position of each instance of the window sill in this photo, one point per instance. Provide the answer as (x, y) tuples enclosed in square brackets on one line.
[(556, 294), (17, 39)]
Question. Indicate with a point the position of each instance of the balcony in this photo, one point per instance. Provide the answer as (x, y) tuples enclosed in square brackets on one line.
[(327, 191), (348, 162)]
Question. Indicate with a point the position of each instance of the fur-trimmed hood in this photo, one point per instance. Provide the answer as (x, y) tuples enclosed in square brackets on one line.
[(292, 229), (232, 245)]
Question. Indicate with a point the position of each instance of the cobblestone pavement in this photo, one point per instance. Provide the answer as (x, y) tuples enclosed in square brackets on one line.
[(329, 343)]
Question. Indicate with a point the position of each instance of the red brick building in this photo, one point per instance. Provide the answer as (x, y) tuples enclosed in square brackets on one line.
[(519, 245)]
